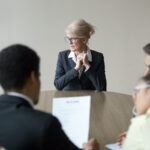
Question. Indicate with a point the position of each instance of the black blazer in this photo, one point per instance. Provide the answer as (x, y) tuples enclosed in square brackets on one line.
[(66, 78), (23, 128)]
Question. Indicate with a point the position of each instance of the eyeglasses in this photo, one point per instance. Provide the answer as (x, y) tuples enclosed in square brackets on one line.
[(134, 111), (72, 40), (136, 89)]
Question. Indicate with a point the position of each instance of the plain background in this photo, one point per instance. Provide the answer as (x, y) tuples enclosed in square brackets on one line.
[(122, 29)]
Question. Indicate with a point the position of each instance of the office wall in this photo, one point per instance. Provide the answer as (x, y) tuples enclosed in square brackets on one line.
[(122, 29)]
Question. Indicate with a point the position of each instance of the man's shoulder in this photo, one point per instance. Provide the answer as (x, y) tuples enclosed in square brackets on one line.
[(39, 115), (21, 109), (39, 118)]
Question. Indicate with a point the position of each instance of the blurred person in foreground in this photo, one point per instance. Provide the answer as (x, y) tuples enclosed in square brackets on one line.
[(138, 134), (146, 49), (21, 126), (79, 67)]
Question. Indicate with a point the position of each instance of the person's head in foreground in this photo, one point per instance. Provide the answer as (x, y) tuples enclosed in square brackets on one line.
[(138, 133), (19, 71), (146, 49), (77, 35)]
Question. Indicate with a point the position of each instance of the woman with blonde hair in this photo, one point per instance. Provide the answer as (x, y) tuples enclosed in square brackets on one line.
[(80, 68)]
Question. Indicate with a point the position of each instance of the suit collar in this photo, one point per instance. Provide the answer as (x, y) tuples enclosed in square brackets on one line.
[(72, 55), (71, 62), (14, 100), (21, 96)]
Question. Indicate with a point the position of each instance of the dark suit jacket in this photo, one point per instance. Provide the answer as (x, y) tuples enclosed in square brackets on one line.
[(23, 128), (66, 78)]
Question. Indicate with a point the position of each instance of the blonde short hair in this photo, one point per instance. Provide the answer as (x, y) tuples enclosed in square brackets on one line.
[(81, 28)]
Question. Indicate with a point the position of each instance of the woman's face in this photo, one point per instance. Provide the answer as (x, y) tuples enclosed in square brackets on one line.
[(142, 98), (76, 44)]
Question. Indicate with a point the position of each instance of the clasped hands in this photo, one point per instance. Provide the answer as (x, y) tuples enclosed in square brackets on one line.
[(82, 59)]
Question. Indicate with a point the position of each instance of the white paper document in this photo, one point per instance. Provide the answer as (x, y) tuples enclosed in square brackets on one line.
[(114, 146), (74, 115)]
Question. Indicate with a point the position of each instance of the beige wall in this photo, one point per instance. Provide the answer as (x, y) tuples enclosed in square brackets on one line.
[(122, 28)]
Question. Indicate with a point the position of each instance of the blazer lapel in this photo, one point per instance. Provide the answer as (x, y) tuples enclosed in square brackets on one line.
[(71, 62)]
